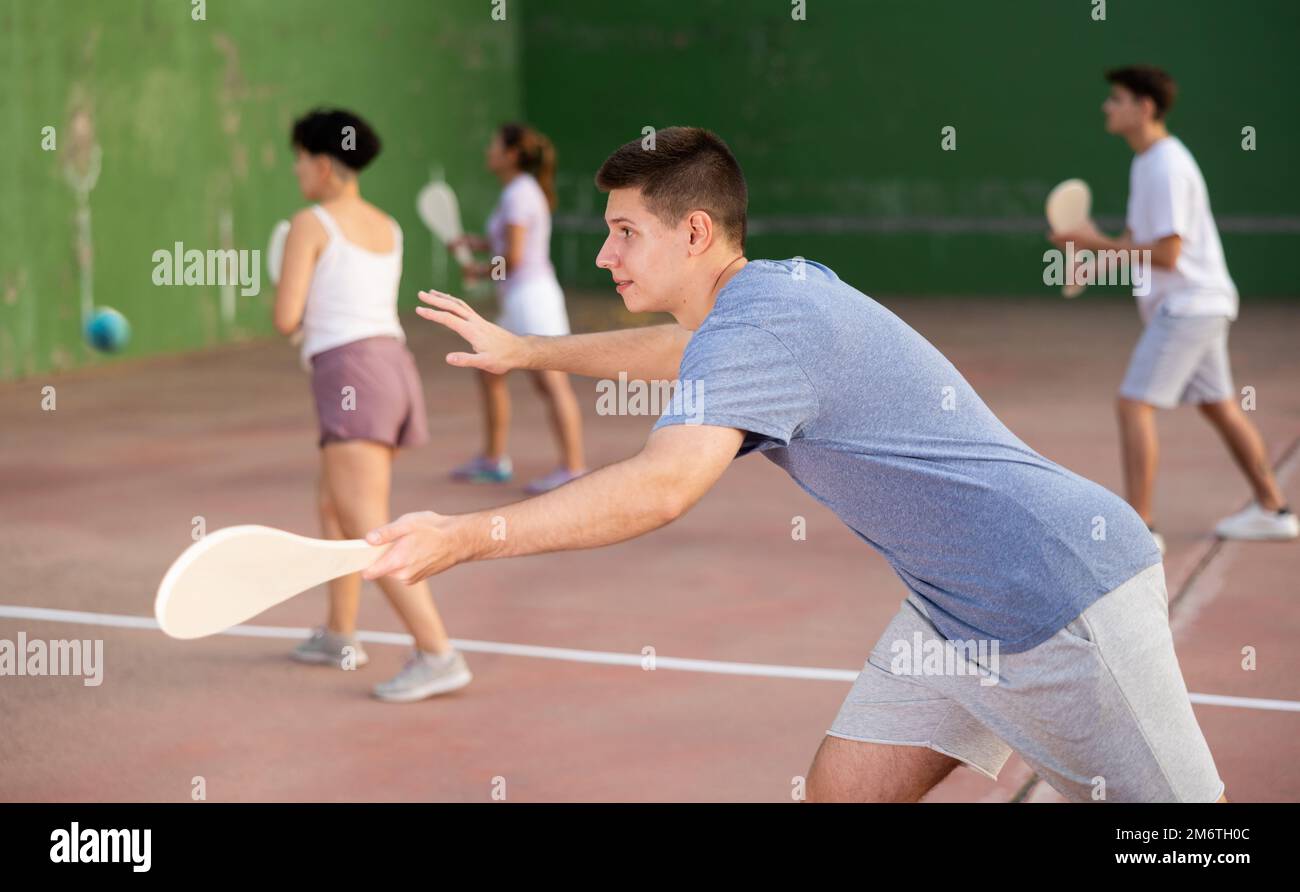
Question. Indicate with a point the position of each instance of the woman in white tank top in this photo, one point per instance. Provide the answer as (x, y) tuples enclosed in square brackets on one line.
[(532, 303), (338, 285)]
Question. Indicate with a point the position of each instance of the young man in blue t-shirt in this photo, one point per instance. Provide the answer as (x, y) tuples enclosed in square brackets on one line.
[(1036, 618)]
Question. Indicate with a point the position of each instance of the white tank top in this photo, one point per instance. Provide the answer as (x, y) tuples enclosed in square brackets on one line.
[(353, 292)]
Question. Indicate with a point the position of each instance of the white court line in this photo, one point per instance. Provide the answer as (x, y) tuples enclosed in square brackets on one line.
[(494, 647), (607, 658), (1247, 702)]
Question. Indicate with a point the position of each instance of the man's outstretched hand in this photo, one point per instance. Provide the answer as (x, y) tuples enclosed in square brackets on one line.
[(495, 349), (423, 544)]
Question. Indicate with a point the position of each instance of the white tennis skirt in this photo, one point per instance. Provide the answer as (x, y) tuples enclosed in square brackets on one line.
[(533, 306)]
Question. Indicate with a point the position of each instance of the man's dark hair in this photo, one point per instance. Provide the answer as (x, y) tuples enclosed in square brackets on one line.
[(1149, 81), (323, 131), (688, 169)]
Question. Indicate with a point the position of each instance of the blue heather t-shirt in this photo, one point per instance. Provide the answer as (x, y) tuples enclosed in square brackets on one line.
[(873, 422)]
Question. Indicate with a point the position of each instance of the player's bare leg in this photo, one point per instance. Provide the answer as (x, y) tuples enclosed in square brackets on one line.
[(344, 592), (359, 473), (565, 416), (1247, 448), (1140, 447), (855, 771), (496, 414)]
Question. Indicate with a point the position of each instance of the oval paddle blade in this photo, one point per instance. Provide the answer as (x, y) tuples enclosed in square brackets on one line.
[(440, 211), (275, 250), (236, 573), (1068, 208), (1068, 205)]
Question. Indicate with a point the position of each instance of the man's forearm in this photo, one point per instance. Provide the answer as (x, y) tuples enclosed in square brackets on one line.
[(618, 502), (650, 353)]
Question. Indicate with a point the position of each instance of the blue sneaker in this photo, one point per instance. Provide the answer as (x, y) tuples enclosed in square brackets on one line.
[(482, 469)]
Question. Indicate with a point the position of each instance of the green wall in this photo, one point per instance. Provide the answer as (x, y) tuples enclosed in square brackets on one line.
[(836, 121), (193, 120)]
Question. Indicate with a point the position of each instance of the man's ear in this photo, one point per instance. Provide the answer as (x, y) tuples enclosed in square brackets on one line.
[(701, 229)]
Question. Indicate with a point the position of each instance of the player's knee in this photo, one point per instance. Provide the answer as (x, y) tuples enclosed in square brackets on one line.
[(357, 520), (543, 383), (1216, 411), (325, 504), (1129, 409)]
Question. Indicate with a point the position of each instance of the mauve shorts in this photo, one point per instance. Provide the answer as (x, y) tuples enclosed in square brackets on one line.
[(369, 390)]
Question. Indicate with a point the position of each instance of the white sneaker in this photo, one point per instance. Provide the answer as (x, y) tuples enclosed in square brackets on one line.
[(425, 675), (1255, 522), (325, 647)]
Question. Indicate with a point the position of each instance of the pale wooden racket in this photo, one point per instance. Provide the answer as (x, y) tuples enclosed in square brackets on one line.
[(1069, 206), (275, 250), (233, 574), (440, 211)]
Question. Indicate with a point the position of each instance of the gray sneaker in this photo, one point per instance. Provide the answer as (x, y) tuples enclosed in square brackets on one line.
[(425, 675), (325, 647)]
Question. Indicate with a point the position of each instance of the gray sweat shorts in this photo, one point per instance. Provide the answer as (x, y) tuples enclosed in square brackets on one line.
[(1099, 710), (1180, 360)]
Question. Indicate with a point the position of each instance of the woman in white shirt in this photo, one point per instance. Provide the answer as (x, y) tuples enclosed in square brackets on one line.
[(339, 281), (532, 303)]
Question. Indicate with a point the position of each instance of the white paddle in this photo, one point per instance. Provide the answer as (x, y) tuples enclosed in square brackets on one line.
[(236, 573), (440, 211), (275, 263), (1068, 208), (275, 250)]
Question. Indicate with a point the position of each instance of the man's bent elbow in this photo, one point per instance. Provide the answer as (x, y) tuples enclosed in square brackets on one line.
[(670, 507)]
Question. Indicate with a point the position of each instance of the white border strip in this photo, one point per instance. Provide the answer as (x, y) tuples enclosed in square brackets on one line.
[(761, 670), (516, 650)]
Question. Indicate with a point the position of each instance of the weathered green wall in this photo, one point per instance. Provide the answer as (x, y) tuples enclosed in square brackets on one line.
[(837, 122), (193, 120)]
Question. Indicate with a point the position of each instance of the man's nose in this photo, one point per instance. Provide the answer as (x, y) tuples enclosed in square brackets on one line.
[(605, 257)]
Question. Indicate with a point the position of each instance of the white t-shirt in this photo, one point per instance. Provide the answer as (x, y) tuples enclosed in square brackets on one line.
[(1167, 196), (523, 203)]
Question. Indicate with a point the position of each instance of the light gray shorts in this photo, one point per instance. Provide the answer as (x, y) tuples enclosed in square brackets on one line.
[(1099, 710), (1180, 360)]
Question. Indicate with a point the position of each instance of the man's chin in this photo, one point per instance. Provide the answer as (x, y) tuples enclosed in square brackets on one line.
[(633, 302)]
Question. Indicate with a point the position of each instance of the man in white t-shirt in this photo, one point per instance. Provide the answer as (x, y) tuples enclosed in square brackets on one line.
[(1182, 356)]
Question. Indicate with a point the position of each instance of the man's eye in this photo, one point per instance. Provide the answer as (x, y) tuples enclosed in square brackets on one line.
[(626, 232)]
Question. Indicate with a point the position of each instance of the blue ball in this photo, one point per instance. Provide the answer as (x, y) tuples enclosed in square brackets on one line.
[(108, 330)]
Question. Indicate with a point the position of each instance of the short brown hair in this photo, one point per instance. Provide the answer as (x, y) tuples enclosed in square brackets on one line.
[(1149, 81), (688, 169)]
